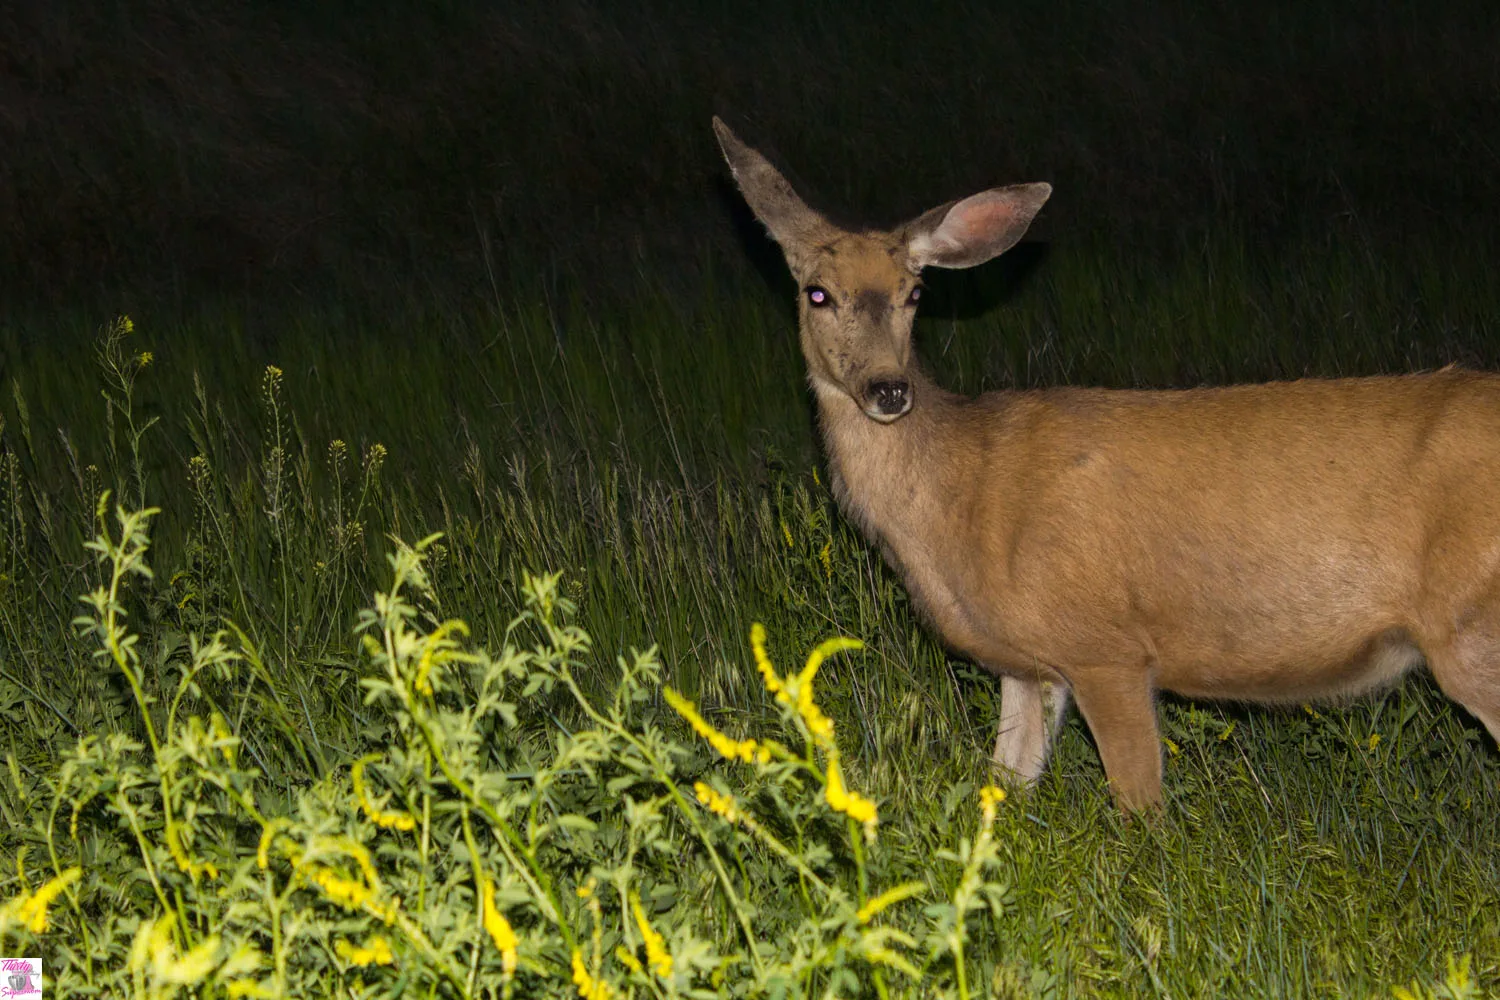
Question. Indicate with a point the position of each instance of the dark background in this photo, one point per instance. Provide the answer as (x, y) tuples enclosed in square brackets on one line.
[(159, 149)]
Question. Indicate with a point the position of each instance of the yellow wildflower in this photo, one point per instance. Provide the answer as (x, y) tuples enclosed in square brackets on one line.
[(347, 892), (657, 955), (890, 897), (586, 890), (990, 797), (30, 908), (376, 952), (437, 649), (351, 894), (763, 663), (628, 960), (820, 725), (1172, 747), (267, 835), (717, 802), (381, 818), (229, 742), (745, 750), (1374, 740), (192, 968), (827, 556), (851, 804), (174, 845), (153, 945), (787, 533), (589, 988), (499, 928), (355, 850)]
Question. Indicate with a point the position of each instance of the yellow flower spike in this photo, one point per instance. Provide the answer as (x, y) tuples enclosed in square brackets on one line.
[(153, 945), (817, 723), (989, 798), (628, 960), (1172, 748), (351, 894), (192, 968), (890, 897), (716, 802), (826, 555), (435, 648), (763, 663), (377, 951), (386, 820), (815, 659), (586, 890), (745, 750), (499, 929), (787, 533), (657, 955), (30, 908), (851, 804), (267, 835), (361, 856), (1374, 741), (173, 833), (346, 892), (589, 988), (224, 734)]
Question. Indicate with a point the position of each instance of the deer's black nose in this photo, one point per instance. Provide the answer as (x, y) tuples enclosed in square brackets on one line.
[(891, 397)]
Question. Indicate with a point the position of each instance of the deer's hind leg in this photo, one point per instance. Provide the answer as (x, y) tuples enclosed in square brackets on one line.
[(1030, 712), (1120, 708)]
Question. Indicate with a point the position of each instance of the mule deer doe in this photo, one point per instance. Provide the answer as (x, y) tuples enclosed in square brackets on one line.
[(1273, 543)]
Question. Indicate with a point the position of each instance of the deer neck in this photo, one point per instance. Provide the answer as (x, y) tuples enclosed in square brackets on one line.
[(892, 479)]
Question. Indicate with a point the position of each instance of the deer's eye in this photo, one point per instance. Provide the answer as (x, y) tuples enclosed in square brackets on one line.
[(916, 293), (818, 297)]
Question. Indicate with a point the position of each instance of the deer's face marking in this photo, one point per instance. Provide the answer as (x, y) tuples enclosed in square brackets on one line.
[(858, 299)]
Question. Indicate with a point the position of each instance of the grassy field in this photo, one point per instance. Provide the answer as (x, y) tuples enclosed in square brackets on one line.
[(660, 457), (540, 324)]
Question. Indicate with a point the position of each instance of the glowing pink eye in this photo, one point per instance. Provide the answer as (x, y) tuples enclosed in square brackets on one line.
[(817, 297), (916, 293)]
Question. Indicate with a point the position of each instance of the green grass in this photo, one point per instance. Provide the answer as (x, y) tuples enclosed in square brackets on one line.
[(660, 455)]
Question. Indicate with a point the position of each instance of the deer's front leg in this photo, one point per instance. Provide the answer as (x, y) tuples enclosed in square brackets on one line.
[(1030, 712)]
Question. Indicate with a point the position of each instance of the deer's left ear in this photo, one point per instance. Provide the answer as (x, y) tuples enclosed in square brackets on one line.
[(980, 227)]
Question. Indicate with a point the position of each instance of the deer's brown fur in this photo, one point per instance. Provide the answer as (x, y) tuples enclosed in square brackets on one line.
[(1274, 543)]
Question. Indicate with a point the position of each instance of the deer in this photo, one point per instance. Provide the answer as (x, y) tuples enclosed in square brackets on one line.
[(1284, 542)]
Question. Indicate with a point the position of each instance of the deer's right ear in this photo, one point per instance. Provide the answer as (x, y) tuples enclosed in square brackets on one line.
[(771, 198)]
